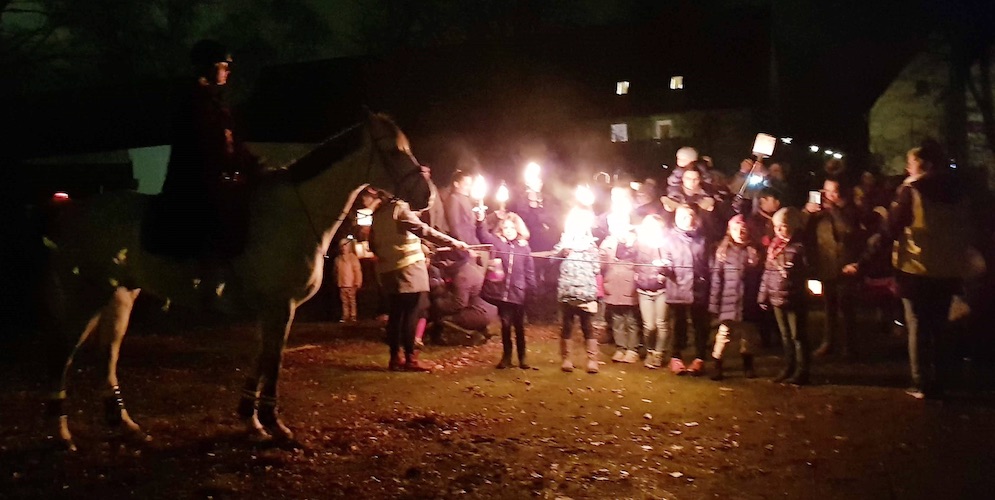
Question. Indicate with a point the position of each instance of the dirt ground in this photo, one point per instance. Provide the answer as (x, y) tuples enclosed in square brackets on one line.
[(468, 430)]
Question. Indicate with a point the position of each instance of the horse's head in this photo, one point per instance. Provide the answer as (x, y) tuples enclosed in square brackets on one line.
[(410, 180)]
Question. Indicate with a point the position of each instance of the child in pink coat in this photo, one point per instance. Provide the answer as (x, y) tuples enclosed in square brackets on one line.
[(349, 275)]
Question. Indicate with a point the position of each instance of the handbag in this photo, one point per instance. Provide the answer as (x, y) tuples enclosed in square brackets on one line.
[(494, 289)]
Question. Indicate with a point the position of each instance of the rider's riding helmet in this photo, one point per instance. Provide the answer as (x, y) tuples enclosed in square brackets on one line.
[(206, 53)]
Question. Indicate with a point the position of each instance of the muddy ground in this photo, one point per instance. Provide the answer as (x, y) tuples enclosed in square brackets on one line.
[(468, 430)]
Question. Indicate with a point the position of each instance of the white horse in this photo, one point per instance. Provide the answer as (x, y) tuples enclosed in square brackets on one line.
[(99, 267)]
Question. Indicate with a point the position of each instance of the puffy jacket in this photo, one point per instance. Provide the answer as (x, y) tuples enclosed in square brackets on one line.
[(578, 274), (348, 271), (688, 270), (785, 272), (650, 278), (516, 259), (732, 264), (619, 272)]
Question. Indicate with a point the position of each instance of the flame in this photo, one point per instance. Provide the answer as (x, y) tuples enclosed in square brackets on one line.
[(584, 195), (502, 193), (533, 178), (479, 188)]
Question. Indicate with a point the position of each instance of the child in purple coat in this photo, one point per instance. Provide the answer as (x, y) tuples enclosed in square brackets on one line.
[(735, 259), (519, 276)]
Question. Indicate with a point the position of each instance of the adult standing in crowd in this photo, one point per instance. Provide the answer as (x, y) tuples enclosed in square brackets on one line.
[(835, 240), (402, 270), (459, 209), (929, 221)]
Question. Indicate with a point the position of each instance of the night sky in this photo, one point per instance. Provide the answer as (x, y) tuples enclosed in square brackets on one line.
[(833, 58)]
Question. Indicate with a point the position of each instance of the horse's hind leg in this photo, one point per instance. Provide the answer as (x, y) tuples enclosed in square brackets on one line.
[(113, 327), (62, 354)]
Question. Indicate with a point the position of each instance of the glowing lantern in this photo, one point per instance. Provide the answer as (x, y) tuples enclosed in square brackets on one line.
[(364, 217), (502, 194), (533, 180), (584, 196), (815, 287), (621, 211), (60, 195)]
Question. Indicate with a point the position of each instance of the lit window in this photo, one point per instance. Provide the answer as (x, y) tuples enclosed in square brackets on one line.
[(620, 132), (676, 82), (622, 87), (661, 129)]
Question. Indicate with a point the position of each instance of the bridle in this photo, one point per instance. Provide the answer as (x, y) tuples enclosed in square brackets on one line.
[(375, 153)]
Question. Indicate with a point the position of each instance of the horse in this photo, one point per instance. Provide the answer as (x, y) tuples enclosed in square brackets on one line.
[(98, 266)]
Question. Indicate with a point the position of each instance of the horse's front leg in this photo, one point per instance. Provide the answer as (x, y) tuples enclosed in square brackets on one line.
[(275, 321), (113, 327)]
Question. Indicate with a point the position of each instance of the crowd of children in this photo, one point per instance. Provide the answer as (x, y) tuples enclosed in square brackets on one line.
[(721, 256)]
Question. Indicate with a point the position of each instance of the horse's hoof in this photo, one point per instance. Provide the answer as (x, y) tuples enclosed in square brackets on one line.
[(279, 431), (66, 445), (256, 432)]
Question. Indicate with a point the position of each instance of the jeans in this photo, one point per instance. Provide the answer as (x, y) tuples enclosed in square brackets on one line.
[(624, 326), (927, 309), (794, 339), (653, 309), (677, 317), (840, 295)]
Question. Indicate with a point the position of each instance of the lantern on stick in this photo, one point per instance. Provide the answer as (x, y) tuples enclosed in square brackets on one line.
[(478, 190), (501, 196)]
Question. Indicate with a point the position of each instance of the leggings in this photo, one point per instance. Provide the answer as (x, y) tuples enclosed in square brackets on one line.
[(404, 310), (568, 312)]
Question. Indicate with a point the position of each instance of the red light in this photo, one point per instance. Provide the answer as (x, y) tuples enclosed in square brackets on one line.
[(60, 195)]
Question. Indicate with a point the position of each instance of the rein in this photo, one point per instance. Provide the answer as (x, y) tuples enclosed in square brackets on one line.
[(369, 170)]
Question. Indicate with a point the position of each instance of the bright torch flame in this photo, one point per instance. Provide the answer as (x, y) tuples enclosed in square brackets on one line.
[(584, 196), (621, 211), (502, 194), (533, 179), (479, 188)]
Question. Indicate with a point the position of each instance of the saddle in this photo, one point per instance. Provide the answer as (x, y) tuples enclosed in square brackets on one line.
[(197, 227)]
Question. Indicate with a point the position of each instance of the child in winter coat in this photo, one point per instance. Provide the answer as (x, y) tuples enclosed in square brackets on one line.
[(735, 259), (519, 276), (783, 288), (651, 288), (687, 271), (349, 276), (617, 254), (577, 287)]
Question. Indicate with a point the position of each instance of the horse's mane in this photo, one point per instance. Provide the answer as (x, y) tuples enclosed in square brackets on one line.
[(332, 150)]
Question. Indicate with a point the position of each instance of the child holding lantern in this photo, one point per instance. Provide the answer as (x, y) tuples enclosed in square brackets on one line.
[(512, 250), (651, 288), (687, 271), (618, 272), (577, 288)]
